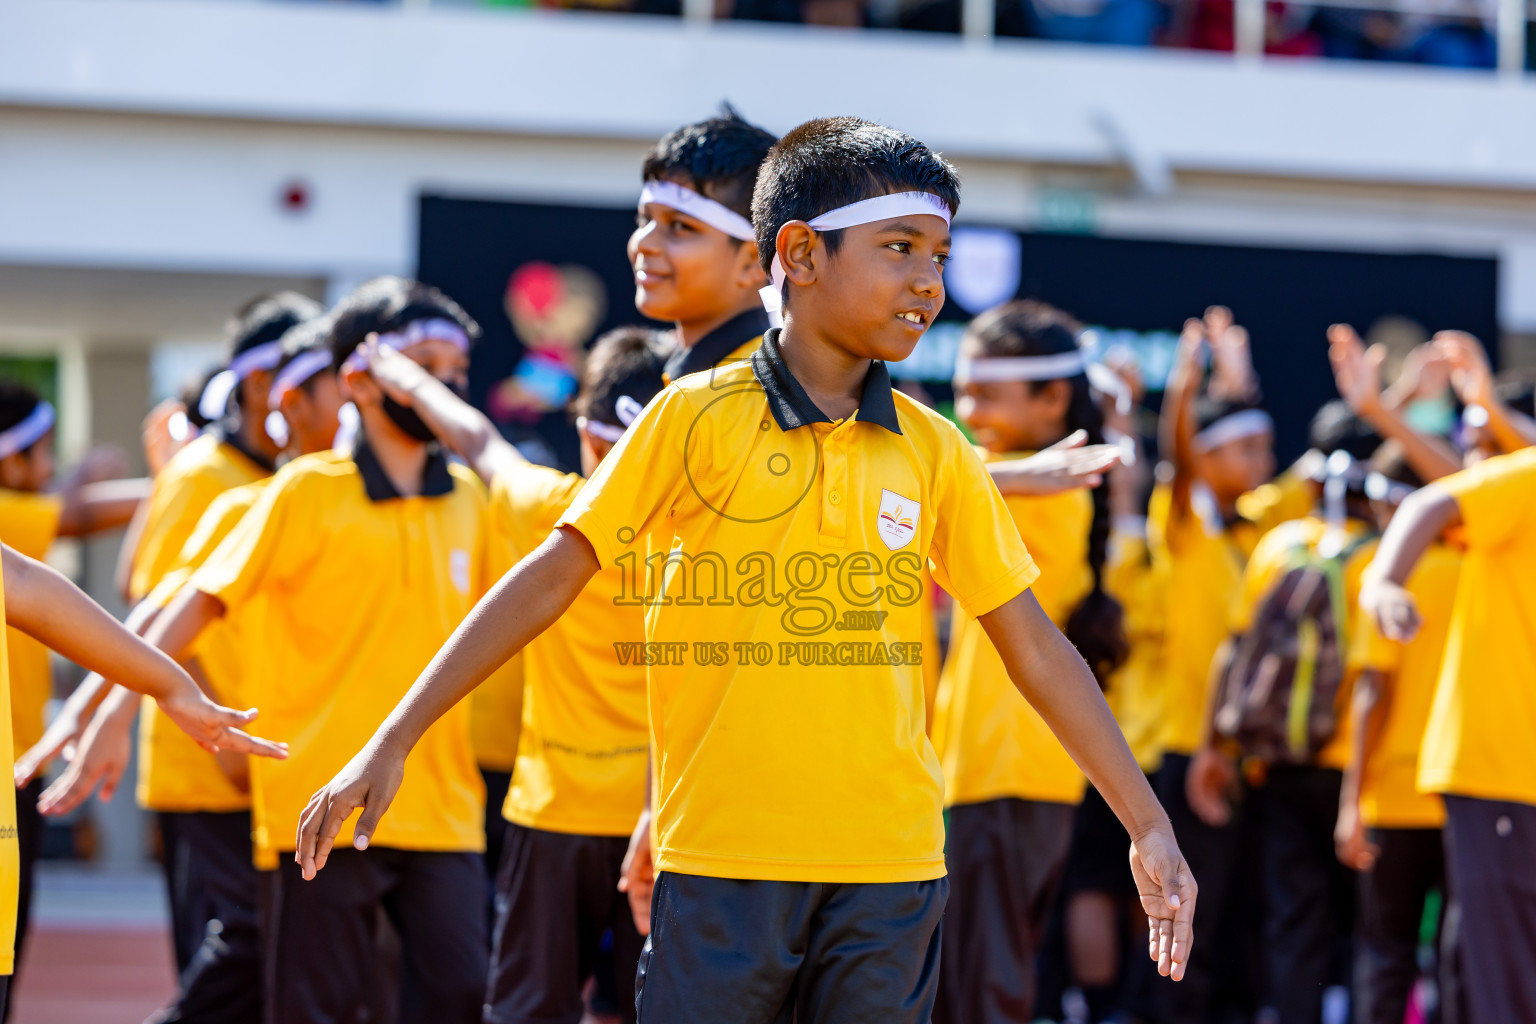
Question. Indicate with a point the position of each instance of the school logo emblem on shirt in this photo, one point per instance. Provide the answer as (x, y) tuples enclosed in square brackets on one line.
[(458, 569), (897, 521)]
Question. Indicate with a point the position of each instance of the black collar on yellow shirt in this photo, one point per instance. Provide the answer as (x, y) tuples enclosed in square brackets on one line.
[(717, 344), (231, 437), (792, 407), (436, 481)]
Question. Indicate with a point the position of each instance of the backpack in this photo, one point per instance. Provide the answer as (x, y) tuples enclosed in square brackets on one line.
[(1276, 697)]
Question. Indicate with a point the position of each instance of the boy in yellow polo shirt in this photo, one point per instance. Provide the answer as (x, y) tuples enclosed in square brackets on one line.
[(798, 828), (1010, 790), (1477, 750), (1387, 830), (361, 563), (694, 254), (579, 785), (50, 609)]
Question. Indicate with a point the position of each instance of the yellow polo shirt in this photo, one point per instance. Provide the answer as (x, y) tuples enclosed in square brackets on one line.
[(991, 743), (359, 588), (1481, 739), (582, 752), (1389, 793), (1135, 692), (784, 637), (182, 492), (29, 523), (175, 774), (1270, 561), (732, 342), (10, 854), (1203, 562), (496, 706)]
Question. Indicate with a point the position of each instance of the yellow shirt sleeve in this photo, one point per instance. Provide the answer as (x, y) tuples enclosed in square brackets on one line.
[(1495, 497), (977, 554), (251, 557)]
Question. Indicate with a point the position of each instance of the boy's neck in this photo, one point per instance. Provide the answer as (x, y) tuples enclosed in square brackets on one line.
[(402, 458), (254, 439), (691, 332), (832, 376)]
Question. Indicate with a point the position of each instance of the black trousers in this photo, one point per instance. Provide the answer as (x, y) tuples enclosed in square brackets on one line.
[(1490, 858), (556, 898), (750, 952), (320, 938), (29, 844), (1310, 895), (496, 786), (1005, 860), (186, 919), (1391, 910), (221, 983), (1226, 973)]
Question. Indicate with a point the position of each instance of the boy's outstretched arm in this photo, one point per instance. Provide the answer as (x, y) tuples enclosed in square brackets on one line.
[(43, 604), (532, 595), (1052, 676), (1067, 465), (103, 505), (459, 425), (1422, 517)]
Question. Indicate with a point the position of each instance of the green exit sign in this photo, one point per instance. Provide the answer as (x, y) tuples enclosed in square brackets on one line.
[(1067, 211)]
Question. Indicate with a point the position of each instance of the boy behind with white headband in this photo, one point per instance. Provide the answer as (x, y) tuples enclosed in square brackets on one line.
[(799, 837), (580, 779), (694, 253)]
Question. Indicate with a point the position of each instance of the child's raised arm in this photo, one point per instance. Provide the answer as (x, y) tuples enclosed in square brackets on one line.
[(1050, 674), (529, 597), (1357, 373)]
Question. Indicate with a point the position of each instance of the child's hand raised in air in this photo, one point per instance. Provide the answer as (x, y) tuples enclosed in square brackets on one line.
[(369, 781), (1356, 369), (1168, 891), (1471, 376), (1232, 373)]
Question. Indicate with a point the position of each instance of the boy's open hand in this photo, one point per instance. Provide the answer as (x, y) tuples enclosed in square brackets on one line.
[(99, 762), (396, 374), (1168, 893), (217, 728), (1067, 465), (1471, 376), (369, 781), (1392, 608), (63, 736), (1356, 369), (637, 875)]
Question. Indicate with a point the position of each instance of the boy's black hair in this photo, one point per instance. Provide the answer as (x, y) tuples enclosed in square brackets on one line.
[(720, 154), (832, 162), (191, 396), (1335, 428), (625, 362), (1096, 626), (387, 304), (17, 402), (267, 318)]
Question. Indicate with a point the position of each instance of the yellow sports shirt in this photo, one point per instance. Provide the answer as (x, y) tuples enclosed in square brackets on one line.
[(175, 774), (183, 490), (1203, 562), (991, 743), (1481, 739), (359, 588), (29, 522), (1269, 562), (784, 637), (1135, 692), (496, 706), (582, 753), (10, 854), (1389, 794), (732, 342)]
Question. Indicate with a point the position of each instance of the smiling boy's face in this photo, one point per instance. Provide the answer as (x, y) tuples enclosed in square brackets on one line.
[(686, 270), (880, 291)]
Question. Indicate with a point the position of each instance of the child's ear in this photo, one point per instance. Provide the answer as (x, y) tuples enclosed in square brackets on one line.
[(796, 248), (749, 268), (359, 387)]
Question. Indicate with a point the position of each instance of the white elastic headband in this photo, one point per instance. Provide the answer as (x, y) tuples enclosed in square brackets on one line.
[(412, 334), (299, 370), (999, 368), (626, 409), (698, 206), (1232, 428), (867, 211), (28, 432), (215, 398)]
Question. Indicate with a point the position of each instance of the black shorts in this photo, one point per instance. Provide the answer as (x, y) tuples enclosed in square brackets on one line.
[(751, 952), (1100, 860), (556, 897)]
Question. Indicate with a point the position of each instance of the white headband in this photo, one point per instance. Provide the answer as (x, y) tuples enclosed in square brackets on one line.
[(299, 369), (685, 200), (867, 211), (996, 368), (215, 398), (1238, 425), (28, 432), (412, 334), (626, 409)]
